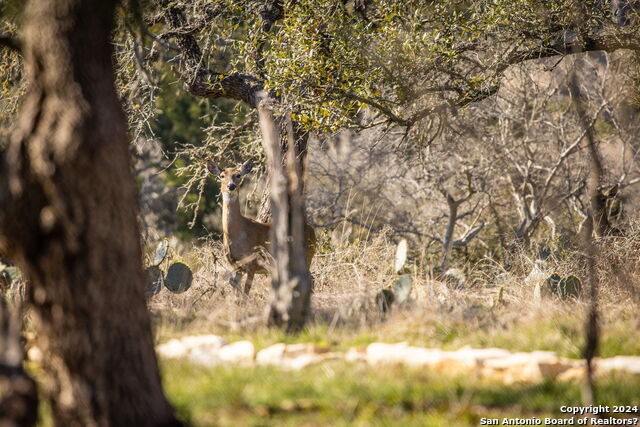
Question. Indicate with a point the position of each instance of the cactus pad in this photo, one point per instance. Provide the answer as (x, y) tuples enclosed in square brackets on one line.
[(155, 280), (570, 286), (552, 283), (161, 252), (401, 255), (12, 274), (179, 277), (402, 288), (384, 300)]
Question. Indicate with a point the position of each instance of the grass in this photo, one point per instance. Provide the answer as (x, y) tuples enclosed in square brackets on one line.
[(439, 315), (345, 314), (345, 394), (562, 334)]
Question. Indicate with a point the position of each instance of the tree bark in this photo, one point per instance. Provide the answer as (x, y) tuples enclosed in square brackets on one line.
[(448, 235), (291, 282), (19, 398), (300, 137), (68, 219), (594, 212)]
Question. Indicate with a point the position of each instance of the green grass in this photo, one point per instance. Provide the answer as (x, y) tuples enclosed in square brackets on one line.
[(348, 394), (562, 333)]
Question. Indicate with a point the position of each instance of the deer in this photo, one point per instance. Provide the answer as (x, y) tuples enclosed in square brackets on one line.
[(246, 241)]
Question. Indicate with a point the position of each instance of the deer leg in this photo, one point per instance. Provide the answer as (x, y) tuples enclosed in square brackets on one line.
[(249, 280)]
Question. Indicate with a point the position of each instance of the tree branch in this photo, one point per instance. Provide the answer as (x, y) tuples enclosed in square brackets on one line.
[(240, 87), (469, 236)]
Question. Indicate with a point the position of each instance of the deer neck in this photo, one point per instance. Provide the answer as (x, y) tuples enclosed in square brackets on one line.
[(231, 217)]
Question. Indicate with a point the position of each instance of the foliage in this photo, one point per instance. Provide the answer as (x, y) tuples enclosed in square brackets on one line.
[(329, 61), (436, 315), (387, 63)]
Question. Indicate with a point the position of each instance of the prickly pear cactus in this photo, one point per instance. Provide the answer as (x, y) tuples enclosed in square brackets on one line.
[(161, 252), (552, 284), (178, 278), (12, 274), (570, 287), (385, 299), (401, 255), (399, 291), (402, 288), (155, 280)]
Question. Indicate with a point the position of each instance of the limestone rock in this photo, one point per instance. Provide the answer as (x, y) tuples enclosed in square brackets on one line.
[(241, 352), (189, 346), (576, 373), (293, 356), (355, 355), (463, 361), (271, 355), (467, 360), (626, 364), (525, 367)]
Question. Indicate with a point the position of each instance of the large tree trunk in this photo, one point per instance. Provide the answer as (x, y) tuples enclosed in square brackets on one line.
[(301, 137), (68, 219), (18, 393), (291, 281)]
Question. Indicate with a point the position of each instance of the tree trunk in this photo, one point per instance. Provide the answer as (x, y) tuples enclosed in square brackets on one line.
[(596, 210), (68, 220), (291, 282), (448, 236), (19, 398), (301, 138)]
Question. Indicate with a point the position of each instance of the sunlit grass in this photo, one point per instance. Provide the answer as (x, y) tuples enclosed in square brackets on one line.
[(348, 394)]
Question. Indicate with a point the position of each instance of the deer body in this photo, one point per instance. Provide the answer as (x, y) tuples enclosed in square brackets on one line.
[(243, 237), (245, 241)]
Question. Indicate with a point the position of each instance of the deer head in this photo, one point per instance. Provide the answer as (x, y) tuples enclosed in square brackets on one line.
[(230, 178)]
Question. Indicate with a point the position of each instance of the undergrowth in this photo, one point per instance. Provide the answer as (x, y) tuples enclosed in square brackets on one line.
[(490, 308)]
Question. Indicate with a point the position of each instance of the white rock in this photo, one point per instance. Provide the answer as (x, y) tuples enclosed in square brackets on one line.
[(295, 350), (401, 353), (188, 346), (271, 355), (293, 356), (355, 355), (481, 354), (526, 367), (493, 363), (418, 356), (241, 352), (466, 360), (380, 352), (172, 348), (627, 364)]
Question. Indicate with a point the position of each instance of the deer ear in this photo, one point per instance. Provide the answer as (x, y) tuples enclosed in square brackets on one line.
[(213, 168), (246, 167)]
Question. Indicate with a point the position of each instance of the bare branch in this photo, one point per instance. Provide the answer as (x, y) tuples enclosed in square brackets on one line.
[(469, 236)]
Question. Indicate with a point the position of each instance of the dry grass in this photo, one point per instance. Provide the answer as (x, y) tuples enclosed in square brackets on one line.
[(439, 314)]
